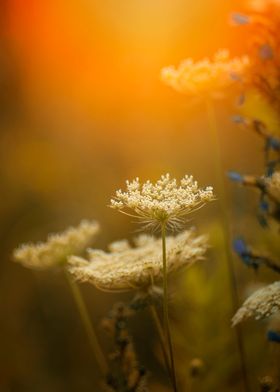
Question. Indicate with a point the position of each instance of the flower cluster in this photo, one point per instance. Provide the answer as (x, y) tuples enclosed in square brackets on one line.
[(263, 303), (166, 201), (54, 252), (205, 77), (125, 268)]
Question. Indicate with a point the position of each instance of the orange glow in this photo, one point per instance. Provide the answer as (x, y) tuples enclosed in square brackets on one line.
[(101, 58)]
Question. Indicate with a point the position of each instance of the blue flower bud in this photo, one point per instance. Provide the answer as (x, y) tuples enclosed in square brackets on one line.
[(234, 176), (273, 336)]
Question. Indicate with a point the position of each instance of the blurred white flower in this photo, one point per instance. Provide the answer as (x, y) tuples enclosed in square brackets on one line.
[(205, 77), (58, 247), (263, 303)]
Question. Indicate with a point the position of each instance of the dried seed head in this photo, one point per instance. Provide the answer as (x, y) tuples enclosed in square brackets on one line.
[(196, 367), (58, 247), (266, 384)]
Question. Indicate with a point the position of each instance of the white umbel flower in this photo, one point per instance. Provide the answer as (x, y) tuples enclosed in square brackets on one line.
[(205, 77), (125, 268), (58, 247), (165, 201), (263, 303)]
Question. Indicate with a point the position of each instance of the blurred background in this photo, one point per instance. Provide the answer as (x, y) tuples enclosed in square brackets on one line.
[(82, 109)]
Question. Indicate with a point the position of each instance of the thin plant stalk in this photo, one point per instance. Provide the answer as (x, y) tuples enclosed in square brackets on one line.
[(165, 306), (226, 234), (92, 337), (159, 329)]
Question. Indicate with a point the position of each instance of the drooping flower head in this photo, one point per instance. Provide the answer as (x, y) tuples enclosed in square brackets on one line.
[(205, 77), (127, 267), (165, 201), (263, 303), (54, 252)]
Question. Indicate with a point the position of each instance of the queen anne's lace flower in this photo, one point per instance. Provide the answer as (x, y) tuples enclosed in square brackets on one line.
[(205, 77), (125, 267), (263, 303), (162, 202), (58, 247)]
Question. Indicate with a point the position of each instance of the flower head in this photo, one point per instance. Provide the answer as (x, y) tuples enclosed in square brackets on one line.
[(165, 201), (205, 77), (58, 247), (124, 267), (262, 303)]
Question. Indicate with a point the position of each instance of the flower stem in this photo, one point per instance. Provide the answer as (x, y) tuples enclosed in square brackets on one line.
[(226, 234), (165, 306), (158, 326), (96, 348)]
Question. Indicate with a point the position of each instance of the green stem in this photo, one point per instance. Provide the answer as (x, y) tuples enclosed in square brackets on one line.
[(98, 353), (165, 306), (226, 235), (158, 326)]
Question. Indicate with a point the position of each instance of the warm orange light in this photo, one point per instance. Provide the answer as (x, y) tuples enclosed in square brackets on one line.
[(103, 59)]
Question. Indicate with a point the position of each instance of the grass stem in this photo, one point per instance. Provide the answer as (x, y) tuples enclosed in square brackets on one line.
[(165, 307), (226, 234), (159, 329), (93, 340)]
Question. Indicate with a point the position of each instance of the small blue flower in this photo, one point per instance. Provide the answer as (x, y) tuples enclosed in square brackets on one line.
[(240, 19), (241, 248), (270, 167), (262, 220), (237, 119), (235, 76), (241, 100), (264, 206), (234, 176), (273, 336), (266, 52), (273, 143)]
